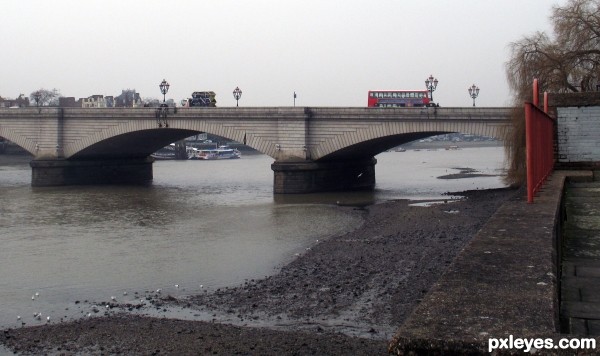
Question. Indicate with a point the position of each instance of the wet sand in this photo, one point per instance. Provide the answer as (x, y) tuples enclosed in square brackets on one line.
[(345, 295)]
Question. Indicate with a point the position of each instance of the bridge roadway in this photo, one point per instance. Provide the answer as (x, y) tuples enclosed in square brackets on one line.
[(314, 148)]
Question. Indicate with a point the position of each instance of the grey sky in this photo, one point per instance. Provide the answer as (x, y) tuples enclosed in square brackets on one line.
[(331, 52)]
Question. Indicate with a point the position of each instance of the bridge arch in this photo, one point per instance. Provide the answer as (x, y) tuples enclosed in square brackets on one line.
[(373, 147), (135, 144), (141, 136), (368, 141), (21, 141)]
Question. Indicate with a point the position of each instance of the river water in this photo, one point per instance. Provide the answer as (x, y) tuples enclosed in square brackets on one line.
[(201, 225)]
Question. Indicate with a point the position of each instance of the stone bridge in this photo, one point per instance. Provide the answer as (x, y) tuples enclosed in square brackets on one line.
[(314, 149)]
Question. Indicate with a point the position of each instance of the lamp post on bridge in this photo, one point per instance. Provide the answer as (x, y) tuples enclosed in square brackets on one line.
[(237, 94), (164, 88), (431, 83), (473, 92), (163, 110)]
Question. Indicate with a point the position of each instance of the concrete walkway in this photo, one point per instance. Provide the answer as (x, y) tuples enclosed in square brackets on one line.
[(503, 284), (580, 282)]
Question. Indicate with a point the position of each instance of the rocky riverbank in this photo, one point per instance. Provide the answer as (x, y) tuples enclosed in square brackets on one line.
[(346, 295)]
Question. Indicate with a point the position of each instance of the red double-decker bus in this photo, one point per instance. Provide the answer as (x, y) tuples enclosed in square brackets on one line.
[(398, 98)]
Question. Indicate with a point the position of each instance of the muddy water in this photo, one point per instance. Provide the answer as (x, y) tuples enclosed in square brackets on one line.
[(200, 226)]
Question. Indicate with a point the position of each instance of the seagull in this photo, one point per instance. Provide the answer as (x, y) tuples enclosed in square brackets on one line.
[(33, 297), (47, 319), (18, 317), (37, 294), (113, 298), (201, 286), (124, 293), (177, 286), (158, 290)]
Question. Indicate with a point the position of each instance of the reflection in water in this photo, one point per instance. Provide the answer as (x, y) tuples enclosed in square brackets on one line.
[(209, 223)]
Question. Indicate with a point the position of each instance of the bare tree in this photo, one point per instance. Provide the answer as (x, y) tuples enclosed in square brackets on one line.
[(577, 30), (44, 97), (568, 62)]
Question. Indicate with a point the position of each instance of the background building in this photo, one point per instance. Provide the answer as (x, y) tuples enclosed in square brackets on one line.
[(19, 102), (94, 101), (129, 98)]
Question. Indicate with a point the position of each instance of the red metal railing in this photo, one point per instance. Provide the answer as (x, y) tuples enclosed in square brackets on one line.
[(539, 140)]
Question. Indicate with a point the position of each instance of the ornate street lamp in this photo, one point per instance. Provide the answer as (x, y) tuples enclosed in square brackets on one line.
[(473, 92), (163, 110), (237, 94), (164, 88), (431, 83)]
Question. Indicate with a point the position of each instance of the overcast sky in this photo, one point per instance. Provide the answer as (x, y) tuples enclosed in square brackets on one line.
[(331, 52)]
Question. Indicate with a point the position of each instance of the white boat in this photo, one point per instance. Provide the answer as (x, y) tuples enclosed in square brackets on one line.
[(216, 153), (168, 152)]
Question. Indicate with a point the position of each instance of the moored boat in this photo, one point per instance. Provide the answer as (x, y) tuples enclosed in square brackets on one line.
[(217, 153), (167, 152)]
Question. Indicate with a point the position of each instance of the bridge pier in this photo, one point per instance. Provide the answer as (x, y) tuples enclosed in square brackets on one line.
[(45, 173), (314, 177)]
